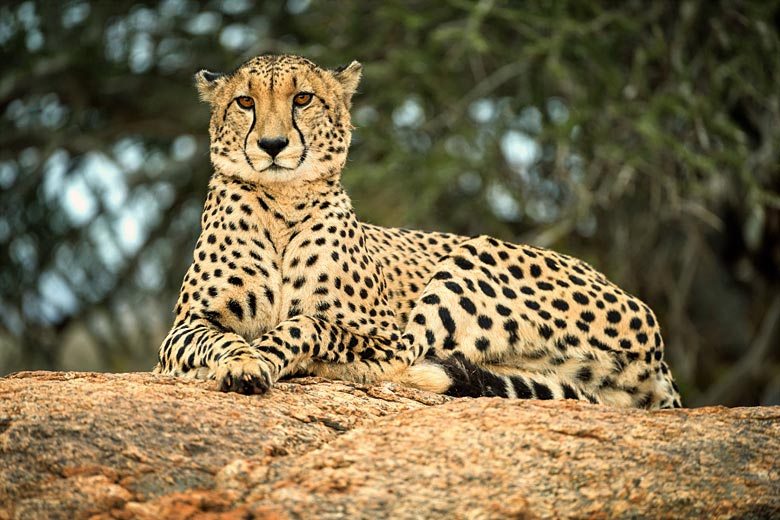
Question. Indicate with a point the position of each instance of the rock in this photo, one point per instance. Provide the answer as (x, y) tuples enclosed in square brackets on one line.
[(104, 446)]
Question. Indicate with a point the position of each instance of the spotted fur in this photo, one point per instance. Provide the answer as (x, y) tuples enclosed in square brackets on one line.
[(285, 279)]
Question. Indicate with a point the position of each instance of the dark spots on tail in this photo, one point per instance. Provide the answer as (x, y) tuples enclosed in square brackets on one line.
[(470, 380), (522, 390), (542, 391), (569, 392)]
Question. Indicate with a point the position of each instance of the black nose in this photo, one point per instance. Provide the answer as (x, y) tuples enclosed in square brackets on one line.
[(274, 145)]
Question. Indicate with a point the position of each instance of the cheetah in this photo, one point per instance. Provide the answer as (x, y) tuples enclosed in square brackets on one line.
[(285, 280)]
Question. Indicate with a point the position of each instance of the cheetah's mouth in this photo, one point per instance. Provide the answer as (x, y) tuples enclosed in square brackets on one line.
[(275, 167), (266, 166)]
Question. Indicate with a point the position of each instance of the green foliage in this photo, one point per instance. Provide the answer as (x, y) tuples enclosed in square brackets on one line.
[(642, 137)]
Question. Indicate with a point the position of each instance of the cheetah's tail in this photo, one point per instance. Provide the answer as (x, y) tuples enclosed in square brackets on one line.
[(668, 391), (460, 377)]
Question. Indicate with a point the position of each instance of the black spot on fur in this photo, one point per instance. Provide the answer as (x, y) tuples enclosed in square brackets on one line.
[(515, 271), (431, 299), (585, 374), (486, 258), (569, 392), (522, 390), (580, 298), (487, 289), (470, 380), (542, 391), (463, 263), (235, 307), (484, 322), (503, 310), (468, 305), (454, 287), (446, 320), (482, 344), (546, 331)]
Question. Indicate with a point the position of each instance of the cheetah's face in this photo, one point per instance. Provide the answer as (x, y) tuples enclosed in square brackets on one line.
[(279, 118)]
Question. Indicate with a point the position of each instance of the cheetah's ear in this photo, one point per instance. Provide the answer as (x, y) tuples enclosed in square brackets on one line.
[(207, 82), (349, 77)]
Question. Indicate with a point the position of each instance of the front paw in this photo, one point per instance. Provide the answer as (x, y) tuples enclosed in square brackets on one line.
[(246, 376)]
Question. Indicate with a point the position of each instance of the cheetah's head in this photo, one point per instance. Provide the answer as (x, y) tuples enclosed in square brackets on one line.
[(280, 118)]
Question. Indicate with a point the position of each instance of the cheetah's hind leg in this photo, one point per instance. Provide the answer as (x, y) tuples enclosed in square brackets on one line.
[(478, 336)]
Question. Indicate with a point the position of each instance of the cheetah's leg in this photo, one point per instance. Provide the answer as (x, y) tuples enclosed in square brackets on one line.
[(472, 317), (195, 349), (325, 349)]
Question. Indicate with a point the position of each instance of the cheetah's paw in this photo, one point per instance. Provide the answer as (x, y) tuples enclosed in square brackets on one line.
[(245, 376)]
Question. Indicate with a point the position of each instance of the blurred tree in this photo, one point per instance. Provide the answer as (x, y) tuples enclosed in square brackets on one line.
[(642, 137)]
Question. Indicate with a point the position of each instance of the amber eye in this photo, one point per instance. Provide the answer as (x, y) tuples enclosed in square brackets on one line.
[(302, 99), (245, 101)]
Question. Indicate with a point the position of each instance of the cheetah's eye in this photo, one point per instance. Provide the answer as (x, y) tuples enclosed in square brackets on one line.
[(245, 102), (302, 99)]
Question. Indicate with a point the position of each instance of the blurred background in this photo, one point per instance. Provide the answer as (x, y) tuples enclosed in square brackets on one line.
[(643, 137)]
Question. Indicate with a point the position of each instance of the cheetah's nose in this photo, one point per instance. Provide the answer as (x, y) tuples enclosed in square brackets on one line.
[(274, 145)]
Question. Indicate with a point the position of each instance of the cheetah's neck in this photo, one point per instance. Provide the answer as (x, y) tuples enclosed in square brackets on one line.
[(280, 209)]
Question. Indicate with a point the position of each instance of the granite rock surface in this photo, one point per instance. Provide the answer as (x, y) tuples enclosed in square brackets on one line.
[(121, 446)]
